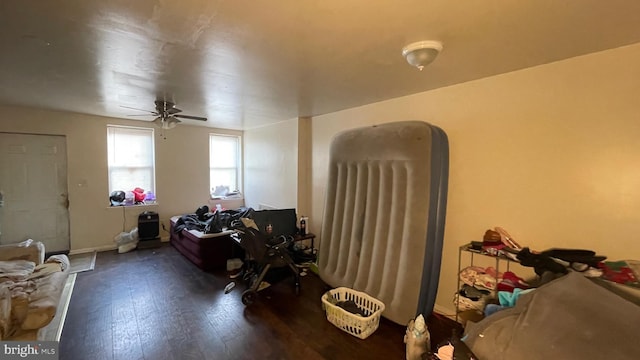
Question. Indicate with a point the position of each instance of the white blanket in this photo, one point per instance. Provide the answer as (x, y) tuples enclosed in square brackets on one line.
[(16, 270)]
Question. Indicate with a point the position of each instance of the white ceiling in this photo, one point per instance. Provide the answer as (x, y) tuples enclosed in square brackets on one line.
[(245, 64)]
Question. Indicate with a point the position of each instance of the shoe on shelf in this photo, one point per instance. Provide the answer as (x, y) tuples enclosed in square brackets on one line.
[(511, 281), (463, 303), (507, 239)]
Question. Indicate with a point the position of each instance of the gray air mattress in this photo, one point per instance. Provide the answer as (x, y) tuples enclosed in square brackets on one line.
[(383, 223)]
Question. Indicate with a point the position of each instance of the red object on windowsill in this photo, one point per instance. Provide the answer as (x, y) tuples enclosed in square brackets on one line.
[(138, 194)]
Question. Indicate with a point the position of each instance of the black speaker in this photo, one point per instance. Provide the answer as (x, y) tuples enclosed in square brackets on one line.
[(148, 225)]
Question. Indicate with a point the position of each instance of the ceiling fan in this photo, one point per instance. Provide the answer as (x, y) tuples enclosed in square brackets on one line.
[(167, 114)]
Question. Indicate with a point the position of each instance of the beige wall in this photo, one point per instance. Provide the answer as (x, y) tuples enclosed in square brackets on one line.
[(550, 153), (271, 165), (182, 171)]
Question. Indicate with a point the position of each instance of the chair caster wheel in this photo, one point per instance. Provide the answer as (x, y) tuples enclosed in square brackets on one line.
[(249, 296)]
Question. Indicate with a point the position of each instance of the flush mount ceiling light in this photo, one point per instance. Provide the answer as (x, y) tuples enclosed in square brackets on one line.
[(421, 53)]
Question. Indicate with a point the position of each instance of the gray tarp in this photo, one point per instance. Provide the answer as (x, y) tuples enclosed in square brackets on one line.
[(569, 318)]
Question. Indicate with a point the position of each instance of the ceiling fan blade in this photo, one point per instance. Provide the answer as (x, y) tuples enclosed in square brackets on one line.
[(132, 108), (191, 117), (173, 110), (142, 114)]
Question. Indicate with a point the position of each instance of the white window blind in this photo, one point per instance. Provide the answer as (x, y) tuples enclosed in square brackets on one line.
[(224, 164), (131, 158)]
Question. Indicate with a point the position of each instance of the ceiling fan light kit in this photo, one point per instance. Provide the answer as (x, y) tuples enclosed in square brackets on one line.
[(422, 53), (166, 123)]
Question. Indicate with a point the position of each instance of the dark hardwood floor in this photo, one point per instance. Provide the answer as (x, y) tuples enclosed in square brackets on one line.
[(155, 304)]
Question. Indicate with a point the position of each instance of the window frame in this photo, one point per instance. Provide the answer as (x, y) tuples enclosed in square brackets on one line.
[(238, 166), (151, 133)]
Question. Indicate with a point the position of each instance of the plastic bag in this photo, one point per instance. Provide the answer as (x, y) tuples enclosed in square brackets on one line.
[(417, 338), (127, 241)]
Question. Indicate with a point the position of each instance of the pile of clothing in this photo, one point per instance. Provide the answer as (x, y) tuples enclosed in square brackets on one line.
[(481, 284), (211, 222), (498, 241)]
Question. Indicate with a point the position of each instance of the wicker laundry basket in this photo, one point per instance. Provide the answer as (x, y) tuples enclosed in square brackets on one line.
[(356, 325)]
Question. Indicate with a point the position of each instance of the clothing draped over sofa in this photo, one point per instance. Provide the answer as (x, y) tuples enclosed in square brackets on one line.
[(30, 289)]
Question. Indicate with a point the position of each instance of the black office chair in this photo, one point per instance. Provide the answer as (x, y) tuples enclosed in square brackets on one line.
[(263, 254)]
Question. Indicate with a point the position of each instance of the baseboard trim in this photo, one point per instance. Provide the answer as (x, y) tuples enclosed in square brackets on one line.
[(92, 249), (105, 248)]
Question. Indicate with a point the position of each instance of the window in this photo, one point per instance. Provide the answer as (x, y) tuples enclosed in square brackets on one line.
[(131, 158), (224, 164)]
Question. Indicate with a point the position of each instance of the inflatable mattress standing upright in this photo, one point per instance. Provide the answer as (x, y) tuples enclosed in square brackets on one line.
[(383, 222)]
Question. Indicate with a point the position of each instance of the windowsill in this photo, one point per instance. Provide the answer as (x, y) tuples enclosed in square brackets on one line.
[(227, 203), (226, 198), (137, 206)]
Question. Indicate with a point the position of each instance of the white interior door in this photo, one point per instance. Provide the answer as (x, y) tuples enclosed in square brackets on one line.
[(33, 182)]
